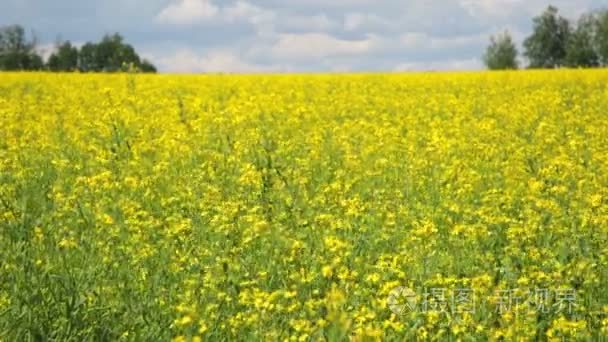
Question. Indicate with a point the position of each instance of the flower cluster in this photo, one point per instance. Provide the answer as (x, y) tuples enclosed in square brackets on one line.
[(288, 207)]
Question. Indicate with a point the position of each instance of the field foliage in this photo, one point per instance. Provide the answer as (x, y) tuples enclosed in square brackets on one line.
[(273, 207)]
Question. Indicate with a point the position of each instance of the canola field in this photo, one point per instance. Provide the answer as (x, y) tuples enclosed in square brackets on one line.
[(430, 206)]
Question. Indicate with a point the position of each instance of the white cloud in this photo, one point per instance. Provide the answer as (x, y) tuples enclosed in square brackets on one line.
[(262, 19), (490, 8), (331, 4), (421, 40), (186, 61), (309, 46), (242, 10), (303, 35), (188, 12), (46, 50), (184, 12), (454, 64), (265, 21), (488, 11), (367, 21), (311, 23)]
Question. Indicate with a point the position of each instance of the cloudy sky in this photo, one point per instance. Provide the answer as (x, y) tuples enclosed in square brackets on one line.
[(290, 35)]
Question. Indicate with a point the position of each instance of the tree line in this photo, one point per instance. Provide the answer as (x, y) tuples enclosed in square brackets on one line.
[(555, 42), (110, 54)]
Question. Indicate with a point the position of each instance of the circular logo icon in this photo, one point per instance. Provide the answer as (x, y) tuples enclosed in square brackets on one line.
[(401, 300)]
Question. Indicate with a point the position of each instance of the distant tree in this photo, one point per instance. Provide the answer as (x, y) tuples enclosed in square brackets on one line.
[(581, 50), (16, 52), (601, 36), (111, 54), (546, 47), (147, 67), (65, 58), (501, 53), (87, 58), (36, 62)]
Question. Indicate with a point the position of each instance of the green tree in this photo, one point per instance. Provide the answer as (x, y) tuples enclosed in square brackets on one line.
[(501, 53), (65, 58), (16, 52), (601, 36), (581, 50), (87, 58), (546, 47), (147, 67), (111, 54)]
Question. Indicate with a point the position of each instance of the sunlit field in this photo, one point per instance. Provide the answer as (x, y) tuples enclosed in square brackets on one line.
[(429, 206)]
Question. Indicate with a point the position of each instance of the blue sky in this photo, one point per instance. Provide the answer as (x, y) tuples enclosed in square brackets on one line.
[(290, 35)]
